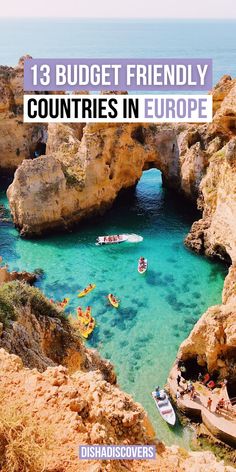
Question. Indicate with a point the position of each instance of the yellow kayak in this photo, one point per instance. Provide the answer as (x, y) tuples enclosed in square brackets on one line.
[(86, 290), (86, 332), (82, 317), (113, 300)]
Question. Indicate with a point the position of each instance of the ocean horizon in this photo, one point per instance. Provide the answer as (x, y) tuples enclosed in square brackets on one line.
[(120, 38)]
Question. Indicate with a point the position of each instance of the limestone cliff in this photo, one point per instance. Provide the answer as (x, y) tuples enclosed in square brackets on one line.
[(44, 417), (86, 166), (212, 342), (17, 140)]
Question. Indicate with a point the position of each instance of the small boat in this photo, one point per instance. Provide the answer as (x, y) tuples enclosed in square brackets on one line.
[(113, 300), (84, 317), (86, 332), (142, 265), (164, 407), (118, 238), (86, 290)]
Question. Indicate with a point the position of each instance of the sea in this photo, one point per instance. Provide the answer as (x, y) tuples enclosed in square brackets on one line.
[(158, 309)]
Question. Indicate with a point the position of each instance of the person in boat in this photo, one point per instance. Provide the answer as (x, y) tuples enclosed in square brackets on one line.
[(157, 392), (114, 299), (87, 288), (162, 394)]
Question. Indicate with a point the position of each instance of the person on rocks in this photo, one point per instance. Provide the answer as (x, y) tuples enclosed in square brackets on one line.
[(209, 403)]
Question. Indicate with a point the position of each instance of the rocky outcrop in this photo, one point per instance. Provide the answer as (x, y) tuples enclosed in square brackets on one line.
[(79, 179), (212, 342), (36, 330), (18, 141), (7, 276), (214, 234), (60, 411)]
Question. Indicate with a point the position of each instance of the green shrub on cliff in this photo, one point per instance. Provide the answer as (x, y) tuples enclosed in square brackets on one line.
[(15, 295)]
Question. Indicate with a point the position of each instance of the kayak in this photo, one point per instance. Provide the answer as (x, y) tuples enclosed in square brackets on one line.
[(86, 332), (142, 266), (164, 407), (86, 290), (64, 303), (84, 317), (118, 238), (114, 302)]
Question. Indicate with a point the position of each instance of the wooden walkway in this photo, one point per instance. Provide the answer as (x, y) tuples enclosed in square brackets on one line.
[(222, 425)]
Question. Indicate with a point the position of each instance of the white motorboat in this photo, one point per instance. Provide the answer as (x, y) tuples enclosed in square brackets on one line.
[(164, 407), (142, 265)]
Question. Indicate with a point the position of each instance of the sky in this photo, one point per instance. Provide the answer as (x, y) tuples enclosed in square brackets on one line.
[(120, 8)]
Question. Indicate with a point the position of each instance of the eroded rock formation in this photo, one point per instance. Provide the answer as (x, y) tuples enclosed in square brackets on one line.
[(7, 276), (87, 166), (212, 342), (36, 330), (61, 411), (18, 141), (215, 233)]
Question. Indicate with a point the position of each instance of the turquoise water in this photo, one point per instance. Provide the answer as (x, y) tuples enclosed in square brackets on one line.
[(157, 310), (121, 38)]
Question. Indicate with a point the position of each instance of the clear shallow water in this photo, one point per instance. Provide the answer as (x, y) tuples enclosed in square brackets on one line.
[(121, 38), (157, 310)]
